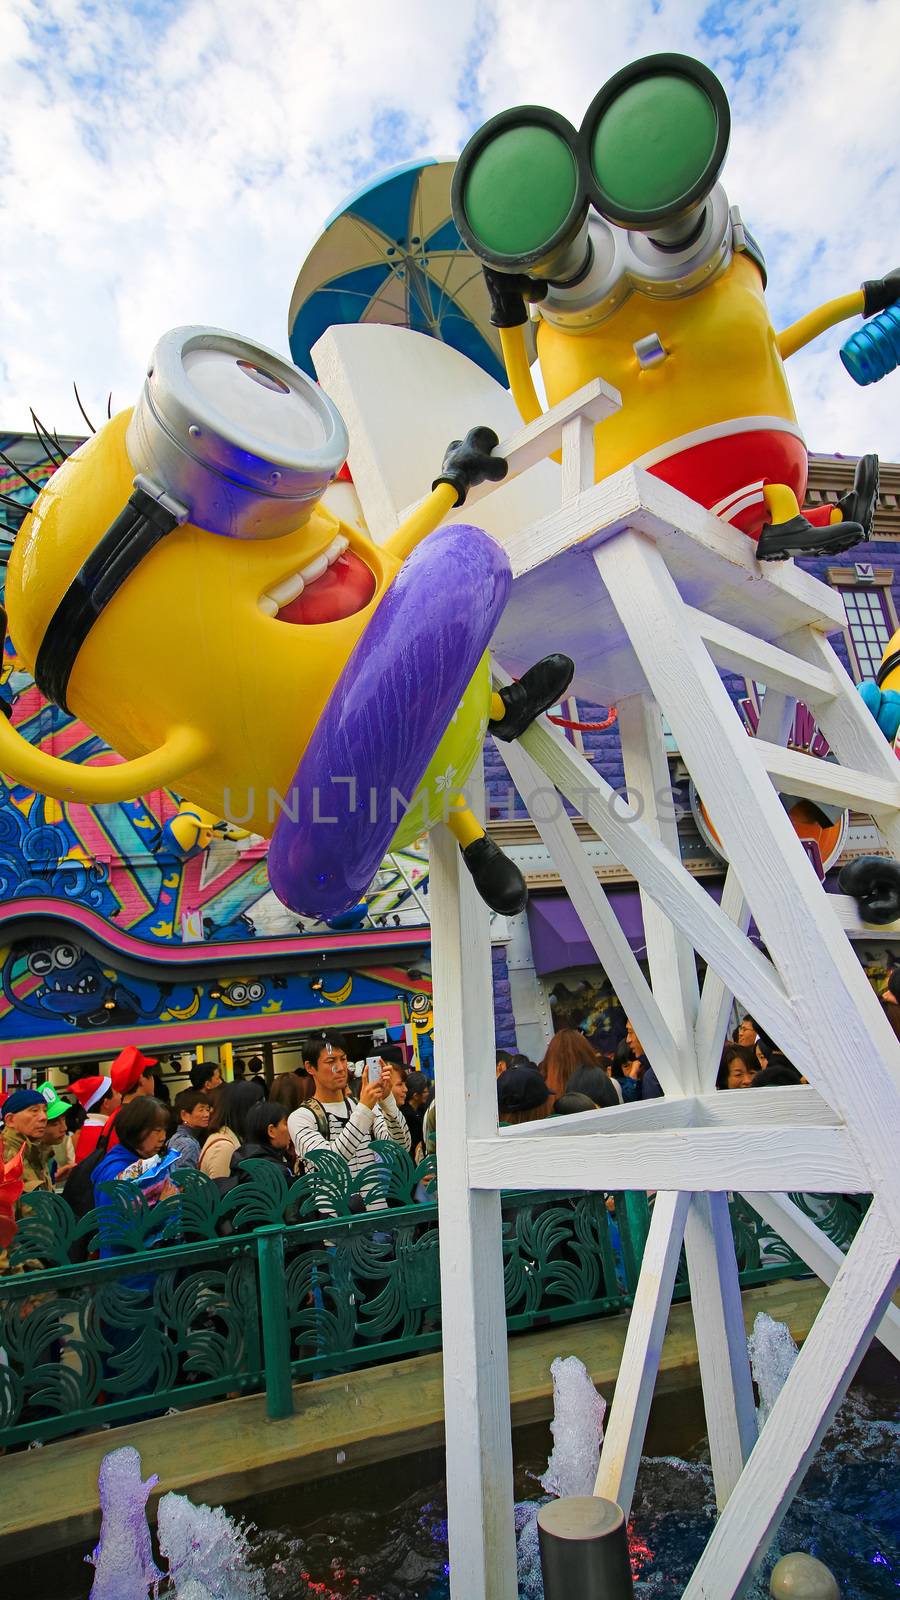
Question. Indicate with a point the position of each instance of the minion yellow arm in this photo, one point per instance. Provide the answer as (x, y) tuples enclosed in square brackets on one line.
[(818, 321), (426, 517), (184, 749), (518, 372)]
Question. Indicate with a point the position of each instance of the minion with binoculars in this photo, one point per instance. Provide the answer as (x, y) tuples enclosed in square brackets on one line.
[(641, 273), (181, 587)]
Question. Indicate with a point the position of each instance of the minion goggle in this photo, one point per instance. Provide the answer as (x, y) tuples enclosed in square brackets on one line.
[(629, 200), (226, 435)]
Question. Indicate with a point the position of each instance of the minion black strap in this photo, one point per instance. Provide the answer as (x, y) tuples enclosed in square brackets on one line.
[(140, 525), (888, 665)]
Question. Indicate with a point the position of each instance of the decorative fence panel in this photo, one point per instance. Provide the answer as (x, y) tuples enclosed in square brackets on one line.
[(219, 1291)]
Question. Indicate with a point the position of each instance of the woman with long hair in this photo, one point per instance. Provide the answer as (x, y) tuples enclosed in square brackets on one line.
[(228, 1126), (572, 1065), (291, 1090)]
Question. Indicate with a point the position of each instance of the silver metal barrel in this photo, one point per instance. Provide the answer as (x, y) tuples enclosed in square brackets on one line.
[(236, 433)]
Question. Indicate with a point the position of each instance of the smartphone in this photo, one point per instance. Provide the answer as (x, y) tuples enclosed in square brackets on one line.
[(373, 1069)]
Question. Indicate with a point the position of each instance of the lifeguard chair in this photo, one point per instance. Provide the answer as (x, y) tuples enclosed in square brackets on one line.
[(650, 595)]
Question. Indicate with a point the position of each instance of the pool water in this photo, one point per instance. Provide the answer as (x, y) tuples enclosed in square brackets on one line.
[(380, 1533), (847, 1514)]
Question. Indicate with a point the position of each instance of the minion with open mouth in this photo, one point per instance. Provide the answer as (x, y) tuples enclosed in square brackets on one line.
[(179, 586)]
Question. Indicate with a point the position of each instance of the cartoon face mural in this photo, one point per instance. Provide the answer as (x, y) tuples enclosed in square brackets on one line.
[(421, 1017), (57, 981), (242, 993)]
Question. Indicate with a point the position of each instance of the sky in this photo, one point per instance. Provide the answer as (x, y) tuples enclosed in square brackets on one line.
[(172, 161)]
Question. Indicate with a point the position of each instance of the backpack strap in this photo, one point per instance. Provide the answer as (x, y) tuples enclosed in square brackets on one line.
[(321, 1116)]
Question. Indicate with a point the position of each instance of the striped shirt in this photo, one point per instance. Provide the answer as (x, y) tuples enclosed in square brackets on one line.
[(351, 1129)]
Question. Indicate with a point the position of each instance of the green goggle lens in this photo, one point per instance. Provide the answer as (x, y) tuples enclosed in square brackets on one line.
[(653, 143), (520, 190)]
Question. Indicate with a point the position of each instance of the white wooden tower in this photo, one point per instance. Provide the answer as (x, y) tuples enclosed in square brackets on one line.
[(650, 595)]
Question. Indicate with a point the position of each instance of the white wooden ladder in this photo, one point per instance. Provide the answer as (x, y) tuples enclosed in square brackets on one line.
[(651, 595)]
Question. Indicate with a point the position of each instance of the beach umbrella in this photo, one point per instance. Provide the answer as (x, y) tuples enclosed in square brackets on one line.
[(392, 254)]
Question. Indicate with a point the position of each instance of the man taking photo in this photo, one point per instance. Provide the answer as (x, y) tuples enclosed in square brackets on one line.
[(333, 1120)]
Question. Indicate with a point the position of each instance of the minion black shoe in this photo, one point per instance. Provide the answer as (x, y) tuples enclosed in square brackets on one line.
[(859, 505), (497, 879), (539, 688), (778, 541)]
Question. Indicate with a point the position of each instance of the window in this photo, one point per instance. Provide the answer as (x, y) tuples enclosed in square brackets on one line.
[(871, 618), (869, 628)]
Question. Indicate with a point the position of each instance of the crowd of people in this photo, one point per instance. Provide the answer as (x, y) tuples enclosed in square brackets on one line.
[(574, 1076), (123, 1125)]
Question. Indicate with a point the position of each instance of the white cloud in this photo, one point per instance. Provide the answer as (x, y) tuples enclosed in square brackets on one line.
[(165, 163)]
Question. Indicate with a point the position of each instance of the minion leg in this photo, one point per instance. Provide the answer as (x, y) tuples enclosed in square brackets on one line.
[(497, 879), (790, 533)]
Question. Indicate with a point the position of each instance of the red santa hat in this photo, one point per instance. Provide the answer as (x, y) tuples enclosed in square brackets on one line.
[(128, 1066), (88, 1091)]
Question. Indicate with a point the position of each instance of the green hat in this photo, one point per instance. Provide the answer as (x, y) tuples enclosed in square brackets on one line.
[(55, 1106)]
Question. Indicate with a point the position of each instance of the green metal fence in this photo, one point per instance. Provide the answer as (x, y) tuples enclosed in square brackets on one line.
[(211, 1294)]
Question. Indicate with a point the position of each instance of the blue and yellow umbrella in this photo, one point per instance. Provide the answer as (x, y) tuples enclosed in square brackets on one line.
[(392, 254)]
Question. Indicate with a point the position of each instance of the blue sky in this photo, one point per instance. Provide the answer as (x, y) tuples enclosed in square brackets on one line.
[(172, 161)]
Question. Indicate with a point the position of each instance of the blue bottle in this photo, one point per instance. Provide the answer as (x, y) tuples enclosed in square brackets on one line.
[(874, 349)]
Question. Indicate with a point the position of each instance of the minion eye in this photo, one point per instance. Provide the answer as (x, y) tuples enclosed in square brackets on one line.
[(518, 199), (653, 143)]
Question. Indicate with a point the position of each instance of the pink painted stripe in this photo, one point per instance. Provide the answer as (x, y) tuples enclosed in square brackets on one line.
[(166, 1036), (175, 955)]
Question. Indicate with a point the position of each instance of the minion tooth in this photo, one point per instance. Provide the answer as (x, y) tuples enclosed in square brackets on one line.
[(268, 605), (288, 590), (315, 569)]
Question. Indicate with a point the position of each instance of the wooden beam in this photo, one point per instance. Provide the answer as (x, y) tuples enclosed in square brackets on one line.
[(623, 1440), (600, 921), (790, 1105), (802, 1413), (635, 499), (822, 1160), (663, 1115), (828, 781), (735, 650), (715, 1000), (721, 1340), (744, 970), (541, 438), (670, 956), (819, 1252), (476, 1382)]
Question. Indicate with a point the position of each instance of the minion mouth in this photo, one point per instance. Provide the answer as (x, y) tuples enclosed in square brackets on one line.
[(333, 585)]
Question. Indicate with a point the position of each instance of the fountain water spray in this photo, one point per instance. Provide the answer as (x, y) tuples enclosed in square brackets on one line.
[(206, 1550), (772, 1355), (123, 1563)]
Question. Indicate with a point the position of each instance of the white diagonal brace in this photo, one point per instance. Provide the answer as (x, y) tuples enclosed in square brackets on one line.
[(735, 650), (623, 1440), (743, 968), (802, 1413), (820, 1253), (670, 957), (715, 1000), (600, 921), (721, 1339)]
